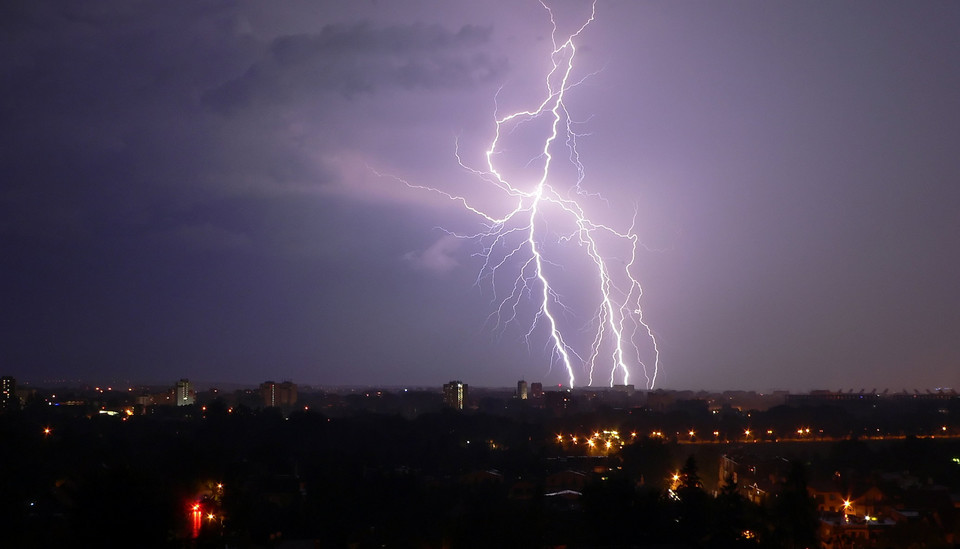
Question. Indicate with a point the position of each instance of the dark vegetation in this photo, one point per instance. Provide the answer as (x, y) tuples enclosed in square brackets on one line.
[(441, 479)]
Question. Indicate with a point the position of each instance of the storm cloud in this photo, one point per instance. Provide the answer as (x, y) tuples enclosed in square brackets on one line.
[(214, 189), (360, 58)]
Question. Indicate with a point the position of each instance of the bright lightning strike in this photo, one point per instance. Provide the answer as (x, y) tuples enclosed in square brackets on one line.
[(521, 248)]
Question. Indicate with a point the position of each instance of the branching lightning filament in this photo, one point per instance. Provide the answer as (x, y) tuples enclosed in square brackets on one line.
[(526, 250)]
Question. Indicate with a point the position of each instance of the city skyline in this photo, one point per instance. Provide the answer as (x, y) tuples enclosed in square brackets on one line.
[(518, 388), (193, 191)]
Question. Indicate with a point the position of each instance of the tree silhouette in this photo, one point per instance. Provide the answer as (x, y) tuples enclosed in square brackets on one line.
[(794, 511), (694, 509)]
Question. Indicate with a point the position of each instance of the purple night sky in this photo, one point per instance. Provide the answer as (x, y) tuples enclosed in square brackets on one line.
[(190, 189)]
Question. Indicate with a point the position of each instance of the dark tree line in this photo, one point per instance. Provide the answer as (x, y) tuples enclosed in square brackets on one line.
[(370, 480)]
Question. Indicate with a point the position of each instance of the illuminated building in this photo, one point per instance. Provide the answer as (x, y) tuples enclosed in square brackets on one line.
[(184, 393), (8, 393), (522, 390), (455, 394), (558, 400), (278, 394)]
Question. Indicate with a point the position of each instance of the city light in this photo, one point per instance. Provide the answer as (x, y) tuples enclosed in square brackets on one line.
[(209, 513)]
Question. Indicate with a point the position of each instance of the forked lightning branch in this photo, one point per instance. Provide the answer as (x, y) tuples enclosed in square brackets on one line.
[(529, 249)]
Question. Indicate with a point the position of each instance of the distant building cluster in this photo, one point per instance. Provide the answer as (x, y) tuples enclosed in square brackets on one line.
[(278, 395), (868, 475), (13, 397), (184, 398)]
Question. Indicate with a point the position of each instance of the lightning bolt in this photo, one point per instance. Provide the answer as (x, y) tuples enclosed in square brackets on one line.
[(520, 246)]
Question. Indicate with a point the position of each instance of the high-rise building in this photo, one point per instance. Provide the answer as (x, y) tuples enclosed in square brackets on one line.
[(455, 394), (536, 390), (184, 393), (278, 394), (522, 390), (8, 393)]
